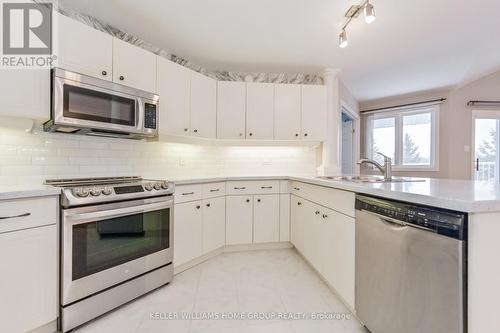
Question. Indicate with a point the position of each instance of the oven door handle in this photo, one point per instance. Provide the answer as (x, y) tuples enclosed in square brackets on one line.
[(80, 218)]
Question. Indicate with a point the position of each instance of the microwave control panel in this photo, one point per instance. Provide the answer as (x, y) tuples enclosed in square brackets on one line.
[(150, 116)]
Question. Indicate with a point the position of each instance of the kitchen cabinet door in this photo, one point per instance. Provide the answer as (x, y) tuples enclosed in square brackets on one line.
[(239, 218), (266, 218), (28, 279), (203, 106), (260, 111), (287, 106), (133, 66), (312, 234), (214, 224), (297, 217), (314, 112), (174, 86), (187, 232), (25, 93), (231, 108), (284, 217), (82, 49), (337, 239)]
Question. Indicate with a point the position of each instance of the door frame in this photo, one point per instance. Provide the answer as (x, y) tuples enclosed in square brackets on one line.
[(356, 144), (481, 114)]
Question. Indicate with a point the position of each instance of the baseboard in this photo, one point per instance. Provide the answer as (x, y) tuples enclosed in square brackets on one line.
[(332, 289), (47, 328), (255, 247), (231, 248), (197, 261)]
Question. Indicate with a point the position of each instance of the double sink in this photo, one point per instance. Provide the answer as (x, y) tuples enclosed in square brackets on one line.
[(370, 179)]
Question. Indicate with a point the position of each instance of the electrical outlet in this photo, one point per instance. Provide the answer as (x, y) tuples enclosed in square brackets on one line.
[(182, 162)]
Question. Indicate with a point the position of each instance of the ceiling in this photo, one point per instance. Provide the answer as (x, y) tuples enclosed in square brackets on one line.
[(412, 46)]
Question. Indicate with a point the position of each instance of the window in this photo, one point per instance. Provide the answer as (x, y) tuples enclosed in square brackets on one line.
[(408, 137)]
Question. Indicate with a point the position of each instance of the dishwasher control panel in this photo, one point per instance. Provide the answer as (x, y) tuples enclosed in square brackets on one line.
[(441, 221)]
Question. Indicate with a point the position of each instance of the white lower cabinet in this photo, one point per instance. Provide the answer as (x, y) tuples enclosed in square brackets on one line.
[(284, 217), (28, 278), (325, 238), (239, 219), (266, 218), (338, 248), (214, 224), (187, 231)]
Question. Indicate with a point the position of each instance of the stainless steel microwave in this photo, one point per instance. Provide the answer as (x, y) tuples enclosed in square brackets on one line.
[(85, 105)]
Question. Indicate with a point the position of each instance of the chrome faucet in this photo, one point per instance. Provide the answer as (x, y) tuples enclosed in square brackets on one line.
[(386, 169)]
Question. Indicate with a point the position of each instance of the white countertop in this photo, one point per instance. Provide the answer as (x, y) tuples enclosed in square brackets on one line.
[(27, 191), (461, 195)]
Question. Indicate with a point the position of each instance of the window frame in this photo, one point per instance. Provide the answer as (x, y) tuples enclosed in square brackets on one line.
[(398, 115)]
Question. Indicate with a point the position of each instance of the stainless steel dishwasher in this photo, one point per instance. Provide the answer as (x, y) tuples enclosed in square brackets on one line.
[(410, 267)]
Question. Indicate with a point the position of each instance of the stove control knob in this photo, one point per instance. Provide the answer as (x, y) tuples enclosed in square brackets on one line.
[(148, 187), (81, 192), (164, 185), (157, 186), (95, 192), (107, 190)]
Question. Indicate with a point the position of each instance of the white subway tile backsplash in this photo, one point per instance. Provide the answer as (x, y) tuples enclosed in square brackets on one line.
[(32, 158)]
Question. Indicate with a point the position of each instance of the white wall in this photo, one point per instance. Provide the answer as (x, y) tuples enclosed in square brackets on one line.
[(31, 158), (455, 123)]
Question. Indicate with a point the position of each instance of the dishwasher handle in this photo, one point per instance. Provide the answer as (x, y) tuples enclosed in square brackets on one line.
[(389, 220)]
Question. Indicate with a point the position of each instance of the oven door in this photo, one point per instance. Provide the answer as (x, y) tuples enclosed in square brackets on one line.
[(104, 245), (79, 104)]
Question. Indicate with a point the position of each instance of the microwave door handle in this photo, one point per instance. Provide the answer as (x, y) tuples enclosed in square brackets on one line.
[(139, 113), (80, 218)]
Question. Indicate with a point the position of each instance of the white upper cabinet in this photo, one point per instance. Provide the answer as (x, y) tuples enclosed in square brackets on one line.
[(25, 93), (287, 107), (133, 66), (314, 112), (260, 111), (203, 106), (174, 85), (83, 49), (231, 105)]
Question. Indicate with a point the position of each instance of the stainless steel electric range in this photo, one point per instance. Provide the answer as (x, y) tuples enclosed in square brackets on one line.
[(116, 243)]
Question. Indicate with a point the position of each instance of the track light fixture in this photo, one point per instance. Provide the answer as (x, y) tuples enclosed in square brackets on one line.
[(343, 39), (352, 13)]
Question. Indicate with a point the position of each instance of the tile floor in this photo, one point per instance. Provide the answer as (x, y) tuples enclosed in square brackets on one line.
[(276, 281)]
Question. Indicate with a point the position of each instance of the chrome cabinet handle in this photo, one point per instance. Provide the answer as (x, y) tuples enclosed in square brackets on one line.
[(258, 200), (324, 216), (198, 206), (248, 200), (14, 216), (122, 77), (296, 188), (263, 187), (208, 204), (240, 188), (317, 212), (299, 203), (215, 190), (187, 193)]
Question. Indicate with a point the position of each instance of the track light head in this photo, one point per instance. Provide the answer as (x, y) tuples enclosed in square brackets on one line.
[(343, 39), (369, 13)]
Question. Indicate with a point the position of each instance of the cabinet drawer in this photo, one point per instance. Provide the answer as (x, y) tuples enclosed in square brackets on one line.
[(28, 213), (253, 187), (213, 190), (338, 200), (184, 193)]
